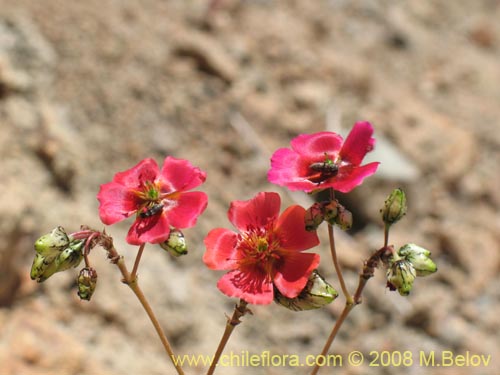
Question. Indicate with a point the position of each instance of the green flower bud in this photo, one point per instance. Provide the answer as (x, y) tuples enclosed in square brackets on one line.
[(52, 244), (175, 244), (42, 269), (330, 210), (314, 217), (343, 218), (394, 207), (70, 257), (317, 293), (419, 258), (400, 276), (87, 281)]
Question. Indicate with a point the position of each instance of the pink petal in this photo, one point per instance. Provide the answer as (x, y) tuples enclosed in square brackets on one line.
[(221, 251), (292, 232), (358, 143), (116, 202), (303, 185), (180, 175), (284, 166), (187, 208), (256, 212), (154, 229), (346, 182), (250, 286), (315, 146), (145, 170), (292, 277)]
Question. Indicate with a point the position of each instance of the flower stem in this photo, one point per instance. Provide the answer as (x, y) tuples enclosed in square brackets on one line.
[(336, 264), (367, 273), (386, 234), (239, 311), (333, 251), (133, 275), (131, 281), (333, 334)]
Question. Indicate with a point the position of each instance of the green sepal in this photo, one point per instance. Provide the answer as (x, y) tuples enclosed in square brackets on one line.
[(175, 245), (316, 294), (400, 276), (419, 258), (52, 244)]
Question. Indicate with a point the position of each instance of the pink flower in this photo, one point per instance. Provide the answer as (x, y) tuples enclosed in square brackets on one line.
[(159, 199), (321, 160), (266, 252)]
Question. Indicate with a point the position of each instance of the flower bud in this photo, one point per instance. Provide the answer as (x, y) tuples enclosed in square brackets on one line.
[(70, 257), (330, 210), (400, 276), (52, 244), (175, 244), (317, 293), (419, 258), (87, 281), (394, 207), (314, 217), (42, 269), (343, 218)]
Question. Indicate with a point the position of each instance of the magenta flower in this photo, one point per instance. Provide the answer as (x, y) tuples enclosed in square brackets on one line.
[(267, 250), (322, 160), (159, 199)]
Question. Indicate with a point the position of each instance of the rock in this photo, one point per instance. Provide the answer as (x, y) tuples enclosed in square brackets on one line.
[(476, 250), (36, 345), (430, 138), (208, 53)]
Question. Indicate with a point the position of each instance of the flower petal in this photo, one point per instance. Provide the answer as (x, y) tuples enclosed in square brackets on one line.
[(291, 229), (292, 277), (221, 251), (135, 177), (116, 202), (345, 182), (358, 143), (154, 229), (284, 166), (180, 175), (256, 212), (250, 285), (117, 198), (315, 146), (188, 207)]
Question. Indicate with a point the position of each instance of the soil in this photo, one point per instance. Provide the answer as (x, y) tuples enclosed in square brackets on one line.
[(89, 88)]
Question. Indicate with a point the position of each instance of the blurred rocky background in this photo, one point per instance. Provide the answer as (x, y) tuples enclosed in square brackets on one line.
[(89, 88)]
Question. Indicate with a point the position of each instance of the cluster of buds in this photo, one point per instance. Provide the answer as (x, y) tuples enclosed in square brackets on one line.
[(330, 211), (409, 262), (316, 294), (55, 252)]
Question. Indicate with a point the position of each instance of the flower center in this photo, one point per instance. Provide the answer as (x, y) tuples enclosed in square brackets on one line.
[(323, 170), (260, 248), (152, 201)]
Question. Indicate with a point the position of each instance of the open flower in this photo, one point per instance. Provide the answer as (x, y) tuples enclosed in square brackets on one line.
[(267, 250), (159, 199), (322, 160)]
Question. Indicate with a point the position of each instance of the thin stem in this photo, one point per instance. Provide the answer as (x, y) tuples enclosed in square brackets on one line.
[(386, 234), (137, 260), (239, 311), (333, 334), (131, 281), (336, 264), (364, 276), (147, 307)]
